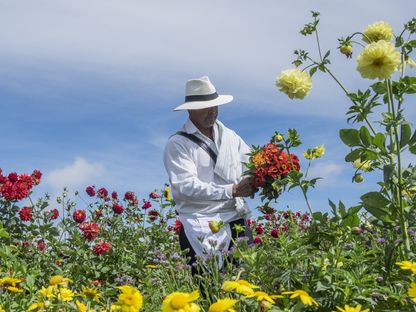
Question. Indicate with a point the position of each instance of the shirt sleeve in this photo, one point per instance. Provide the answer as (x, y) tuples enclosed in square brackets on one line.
[(184, 179)]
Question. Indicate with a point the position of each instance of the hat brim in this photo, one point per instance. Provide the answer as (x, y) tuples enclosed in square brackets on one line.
[(220, 100)]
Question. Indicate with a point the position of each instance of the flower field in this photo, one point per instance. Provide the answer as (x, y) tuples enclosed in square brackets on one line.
[(97, 250)]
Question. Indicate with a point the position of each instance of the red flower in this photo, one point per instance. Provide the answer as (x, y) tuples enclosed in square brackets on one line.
[(274, 233), (153, 195), (102, 193), (90, 230), (25, 244), (131, 198), (117, 208), (90, 191), (153, 214), (147, 204), (177, 226), (259, 181), (114, 195), (249, 222), (257, 240), (13, 177), (102, 247), (16, 187), (41, 245), (36, 175), (25, 214), (54, 214), (259, 229), (79, 216)]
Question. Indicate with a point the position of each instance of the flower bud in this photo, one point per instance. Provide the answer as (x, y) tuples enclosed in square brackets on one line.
[(346, 49), (278, 137), (358, 178), (215, 226)]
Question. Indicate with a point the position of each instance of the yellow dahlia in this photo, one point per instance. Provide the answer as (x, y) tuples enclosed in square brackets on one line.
[(59, 280), (378, 60), (378, 31), (223, 305), (10, 281), (130, 299), (303, 295), (240, 286), (347, 308), (82, 307), (48, 292), (91, 293), (362, 165), (37, 306), (181, 302), (262, 296), (295, 83), (412, 291), (65, 294), (14, 289)]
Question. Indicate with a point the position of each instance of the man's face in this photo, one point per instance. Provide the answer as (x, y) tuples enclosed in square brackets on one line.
[(203, 118)]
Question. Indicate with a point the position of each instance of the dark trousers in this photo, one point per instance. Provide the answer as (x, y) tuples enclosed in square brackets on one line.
[(184, 243)]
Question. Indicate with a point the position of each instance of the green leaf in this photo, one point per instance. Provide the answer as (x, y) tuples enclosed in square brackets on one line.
[(405, 134), (365, 136), (388, 171), (412, 149), (379, 87), (312, 71), (350, 137), (354, 155), (379, 140), (412, 140), (375, 203)]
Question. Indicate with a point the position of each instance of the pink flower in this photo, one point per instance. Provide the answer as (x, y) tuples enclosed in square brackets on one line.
[(41, 245), (114, 195), (102, 247), (147, 204), (90, 191), (259, 229), (153, 214), (153, 195), (54, 214), (117, 208), (257, 240), (79, 216), (102, 193), (25, 214), (274, 233)]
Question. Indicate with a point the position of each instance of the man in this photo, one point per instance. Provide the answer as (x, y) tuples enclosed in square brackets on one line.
[(205, 162)]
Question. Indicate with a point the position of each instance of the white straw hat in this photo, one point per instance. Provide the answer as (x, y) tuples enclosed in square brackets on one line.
[(201, 93)]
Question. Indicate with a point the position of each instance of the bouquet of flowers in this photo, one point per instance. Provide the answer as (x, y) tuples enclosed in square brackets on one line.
[(271, 167)]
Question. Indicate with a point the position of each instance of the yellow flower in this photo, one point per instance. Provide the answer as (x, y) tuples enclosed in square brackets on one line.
[(37, 306), (48, 292), (407, 265), (59, 280), (82, 307), (319, 151), (412, 291), (240, 286), (378, 60), (258, 159), (313, 153), (347, 308), (181, 302), (167, 193), (10, 281), (295, 83), (65, 294), (130, 299), (14, 289), (91, 293), (410, 62), (151, 266), (378, 31), (262, 296), (363, 165), (1, 309), (303, 295), (223, 305)]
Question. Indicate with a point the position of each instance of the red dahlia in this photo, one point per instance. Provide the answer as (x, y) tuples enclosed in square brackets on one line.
[(117, 208), (79, 216), (102, 247), (90, 230), (25, 214)]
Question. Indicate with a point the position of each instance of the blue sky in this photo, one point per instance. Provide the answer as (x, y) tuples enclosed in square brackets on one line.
[(87, 87)]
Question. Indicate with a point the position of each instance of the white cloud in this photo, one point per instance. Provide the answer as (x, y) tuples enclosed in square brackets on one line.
[(328, 171), (74, 176)]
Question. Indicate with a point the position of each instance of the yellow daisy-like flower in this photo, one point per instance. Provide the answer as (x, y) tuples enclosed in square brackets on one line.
[(181, 302), (378, 60), (319, 151), (130, 299), (37, 306), (82, 307), (241, 286), (223, 305), (1, 309), (59, 280), (303, 295), (48, 292), (262, 296), (378, 31), (362, 165), (91, 293), (412, 291), (407, 265), (14, 289), (65, 294), (10, 281), (295, 83), (167, 193), (347, 308)]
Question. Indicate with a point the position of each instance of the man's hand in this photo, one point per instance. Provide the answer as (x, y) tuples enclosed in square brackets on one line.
[(244, 188)]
